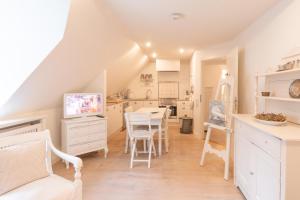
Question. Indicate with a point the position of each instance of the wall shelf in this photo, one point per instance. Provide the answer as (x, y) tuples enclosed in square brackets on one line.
[(279, 99), (278, 73)]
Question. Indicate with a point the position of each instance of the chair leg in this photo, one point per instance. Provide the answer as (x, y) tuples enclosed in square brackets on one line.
[(205, 146), (227, 155), (167, 141), (133, 150), (150, 152), (127, 141), (153, 146)]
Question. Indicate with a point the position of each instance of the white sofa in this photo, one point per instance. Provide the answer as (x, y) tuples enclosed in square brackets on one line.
[(47, 187)]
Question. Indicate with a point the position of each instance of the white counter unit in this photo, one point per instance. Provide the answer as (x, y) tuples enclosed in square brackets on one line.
[(267, 159)]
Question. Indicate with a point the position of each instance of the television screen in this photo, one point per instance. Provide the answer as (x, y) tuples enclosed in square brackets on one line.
[(82, 104)]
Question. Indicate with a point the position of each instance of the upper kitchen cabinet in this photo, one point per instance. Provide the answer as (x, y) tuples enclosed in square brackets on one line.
[(167, 65)]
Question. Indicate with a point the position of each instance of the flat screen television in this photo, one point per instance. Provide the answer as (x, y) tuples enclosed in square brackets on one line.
[(83, 104)]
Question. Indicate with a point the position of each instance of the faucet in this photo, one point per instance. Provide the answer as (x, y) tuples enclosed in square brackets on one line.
[(148, 93)]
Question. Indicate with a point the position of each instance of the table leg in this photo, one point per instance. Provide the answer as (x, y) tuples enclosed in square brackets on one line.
[(159, 140)]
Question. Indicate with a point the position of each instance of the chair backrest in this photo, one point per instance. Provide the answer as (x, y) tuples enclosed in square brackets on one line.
[(166, 118), (16, 140), (135, 120), (225, 94)]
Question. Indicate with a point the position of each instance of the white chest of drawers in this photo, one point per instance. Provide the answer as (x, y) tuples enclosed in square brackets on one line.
[(84, 135), (267, 159)]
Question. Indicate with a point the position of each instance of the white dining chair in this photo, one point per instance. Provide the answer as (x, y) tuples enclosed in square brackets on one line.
[(224, 96), (134, 122), (127, 140), (165, 129)]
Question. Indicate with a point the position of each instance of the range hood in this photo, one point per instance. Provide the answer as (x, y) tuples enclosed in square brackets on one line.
[(167, 65)]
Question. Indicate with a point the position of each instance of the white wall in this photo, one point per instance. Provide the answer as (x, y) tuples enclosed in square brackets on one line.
[(138, 89), (263, 44), (195, 80)]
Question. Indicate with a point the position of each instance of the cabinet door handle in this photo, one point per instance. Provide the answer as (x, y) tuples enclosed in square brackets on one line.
[(251, 173)]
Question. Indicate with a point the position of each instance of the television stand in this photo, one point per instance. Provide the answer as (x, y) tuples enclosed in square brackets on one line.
[(84, 135)]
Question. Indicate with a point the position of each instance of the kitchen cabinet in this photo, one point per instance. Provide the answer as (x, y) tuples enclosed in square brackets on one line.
[(266, 160), (184, 109), (114, 118), (150, 103), (136, 104)]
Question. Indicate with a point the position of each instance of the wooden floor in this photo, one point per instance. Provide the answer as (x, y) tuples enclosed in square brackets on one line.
[(176, 175)]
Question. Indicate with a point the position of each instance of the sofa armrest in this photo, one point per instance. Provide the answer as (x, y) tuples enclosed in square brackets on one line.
[(77, 162)]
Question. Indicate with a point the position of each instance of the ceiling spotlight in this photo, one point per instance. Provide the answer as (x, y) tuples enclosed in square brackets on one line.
[(154, 55), (181, 50), (148, 44), (177, 15)]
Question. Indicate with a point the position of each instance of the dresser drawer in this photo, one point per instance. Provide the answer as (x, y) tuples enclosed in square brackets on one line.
[(85, 148), (87, 138), (81, 131), (268, 143)]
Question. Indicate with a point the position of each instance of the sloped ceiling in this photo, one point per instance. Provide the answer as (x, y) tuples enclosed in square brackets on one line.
[(94, 40), (29, 31)]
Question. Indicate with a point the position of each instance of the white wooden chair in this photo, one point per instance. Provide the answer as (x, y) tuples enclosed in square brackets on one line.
[(51, 186), (225, 95), (134, 121), (165, 129), (127, 140)]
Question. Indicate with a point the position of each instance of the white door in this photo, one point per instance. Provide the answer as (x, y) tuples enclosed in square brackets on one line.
[(232, 63)]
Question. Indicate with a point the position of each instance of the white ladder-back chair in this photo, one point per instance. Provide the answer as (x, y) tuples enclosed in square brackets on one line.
[(165, 129), (134, 122), (127, 140), (224, 95), (49, 187)]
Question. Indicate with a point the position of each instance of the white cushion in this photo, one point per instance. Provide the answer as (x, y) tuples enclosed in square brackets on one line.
[(52, 187), (22, 164)]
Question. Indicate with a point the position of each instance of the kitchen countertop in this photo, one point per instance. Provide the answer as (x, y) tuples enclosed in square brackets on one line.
[(118, 101), (288, 132)]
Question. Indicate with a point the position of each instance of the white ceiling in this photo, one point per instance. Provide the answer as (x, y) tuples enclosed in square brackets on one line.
[(205, 22)]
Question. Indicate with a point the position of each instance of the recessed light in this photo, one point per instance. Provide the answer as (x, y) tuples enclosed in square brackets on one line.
[(154, 55), (148, 44), (177, 15), (181, 50)]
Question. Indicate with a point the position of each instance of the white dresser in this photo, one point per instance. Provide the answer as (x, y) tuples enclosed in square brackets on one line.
[(84, 135), (267, 160)]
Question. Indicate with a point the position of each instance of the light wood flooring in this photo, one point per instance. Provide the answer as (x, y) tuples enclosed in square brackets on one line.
[(176, 175)]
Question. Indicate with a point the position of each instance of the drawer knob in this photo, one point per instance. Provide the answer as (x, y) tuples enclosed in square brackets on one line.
[(251, 173)]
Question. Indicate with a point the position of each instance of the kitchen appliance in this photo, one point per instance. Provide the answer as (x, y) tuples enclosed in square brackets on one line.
[(172, 105)]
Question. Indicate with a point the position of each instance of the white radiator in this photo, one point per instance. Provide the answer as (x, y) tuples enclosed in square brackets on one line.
[(22, 128)]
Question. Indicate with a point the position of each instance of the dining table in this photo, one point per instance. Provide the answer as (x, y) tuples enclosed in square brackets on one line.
[(157, 116)]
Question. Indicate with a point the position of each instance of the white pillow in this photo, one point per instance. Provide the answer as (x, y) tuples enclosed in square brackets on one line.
[(22, 164)]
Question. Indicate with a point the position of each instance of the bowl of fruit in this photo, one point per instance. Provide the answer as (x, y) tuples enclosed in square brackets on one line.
[(271, 119)]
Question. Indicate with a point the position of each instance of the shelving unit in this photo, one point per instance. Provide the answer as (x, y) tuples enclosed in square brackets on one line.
[(278, 86), (278, 73), (279, 98)]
